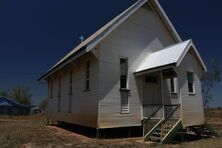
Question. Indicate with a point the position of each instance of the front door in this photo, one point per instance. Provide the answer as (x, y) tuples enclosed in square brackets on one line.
[(151, 90)]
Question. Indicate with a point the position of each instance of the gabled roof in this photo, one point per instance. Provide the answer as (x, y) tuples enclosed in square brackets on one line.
[(5, 104), (172, 55), (9, 102), (98, 36)]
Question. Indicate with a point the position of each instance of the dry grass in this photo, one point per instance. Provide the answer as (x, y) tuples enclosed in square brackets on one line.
[(31, 132)]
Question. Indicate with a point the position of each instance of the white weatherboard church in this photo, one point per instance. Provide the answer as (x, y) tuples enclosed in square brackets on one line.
[(135, 68)]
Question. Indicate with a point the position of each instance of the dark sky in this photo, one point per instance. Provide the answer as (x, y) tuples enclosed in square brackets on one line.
[(34, 35)]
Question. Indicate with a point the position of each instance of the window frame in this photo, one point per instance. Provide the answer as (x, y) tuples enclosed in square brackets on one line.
[(51, 89), (59, 93), (124, 107), (174, 86), (87, 76), (126, 75), (59, 87), (70, 91), (70, 82), (188, 83)]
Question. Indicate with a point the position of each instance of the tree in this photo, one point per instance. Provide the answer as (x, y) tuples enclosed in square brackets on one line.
[(208, 80), (5, 93), (22, 95)]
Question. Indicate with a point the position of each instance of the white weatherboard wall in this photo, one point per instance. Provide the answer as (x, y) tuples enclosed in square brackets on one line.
[(192, 105), (85, 104), (139, 35)]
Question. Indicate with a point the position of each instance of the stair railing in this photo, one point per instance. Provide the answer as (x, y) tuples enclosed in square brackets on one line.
[(173, 117), (172, 112), (153, 118)]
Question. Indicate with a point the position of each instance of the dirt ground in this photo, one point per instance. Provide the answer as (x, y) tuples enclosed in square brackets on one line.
[(30, 132)]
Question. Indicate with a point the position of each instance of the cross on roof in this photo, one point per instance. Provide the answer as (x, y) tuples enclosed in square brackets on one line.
[(81, 38)]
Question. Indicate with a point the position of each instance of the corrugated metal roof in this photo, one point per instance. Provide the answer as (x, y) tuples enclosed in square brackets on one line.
[(168, 56), (94, 39)]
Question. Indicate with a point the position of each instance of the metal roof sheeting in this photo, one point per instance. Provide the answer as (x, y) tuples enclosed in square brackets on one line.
[(170, 55)]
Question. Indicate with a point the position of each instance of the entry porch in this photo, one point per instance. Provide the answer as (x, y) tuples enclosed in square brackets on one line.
[(170, 91)]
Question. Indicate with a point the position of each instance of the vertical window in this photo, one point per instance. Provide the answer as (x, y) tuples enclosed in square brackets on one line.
[(190, 80), (59, 88), (123, 73), (123, 85), (70, 83), (59, 94), (87, 77), (173, 85), (70, 91), (51, 89)]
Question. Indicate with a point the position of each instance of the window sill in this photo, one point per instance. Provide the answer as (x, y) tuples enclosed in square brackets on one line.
[(124, 89), (125, 113), (173, 93), (191, 94), (86, 90)]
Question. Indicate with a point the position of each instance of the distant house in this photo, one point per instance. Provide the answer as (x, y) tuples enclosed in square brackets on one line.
[(11, 107), (135, 68)]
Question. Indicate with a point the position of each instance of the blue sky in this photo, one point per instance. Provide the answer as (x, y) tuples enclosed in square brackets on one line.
[(34, 35)]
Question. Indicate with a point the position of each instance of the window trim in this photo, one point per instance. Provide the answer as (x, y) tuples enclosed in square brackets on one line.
[(127, 74), (71, 83), (59, 87), (193, 86), (175, 91), (59, 93), (126, 89), (51, 89), (87, 76)]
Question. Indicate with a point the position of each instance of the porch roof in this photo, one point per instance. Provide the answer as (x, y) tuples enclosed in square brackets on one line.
[(172, 55)]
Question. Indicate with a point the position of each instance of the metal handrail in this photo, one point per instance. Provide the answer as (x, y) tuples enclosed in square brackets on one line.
[(148, 118), (173, 111), (163, 120), (168, 116)]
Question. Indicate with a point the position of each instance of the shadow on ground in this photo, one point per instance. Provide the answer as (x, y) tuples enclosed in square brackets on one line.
[(114, 133), (186, 137)]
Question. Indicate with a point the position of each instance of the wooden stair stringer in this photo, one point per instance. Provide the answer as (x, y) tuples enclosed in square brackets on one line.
[(172, 132), (154, 129)]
